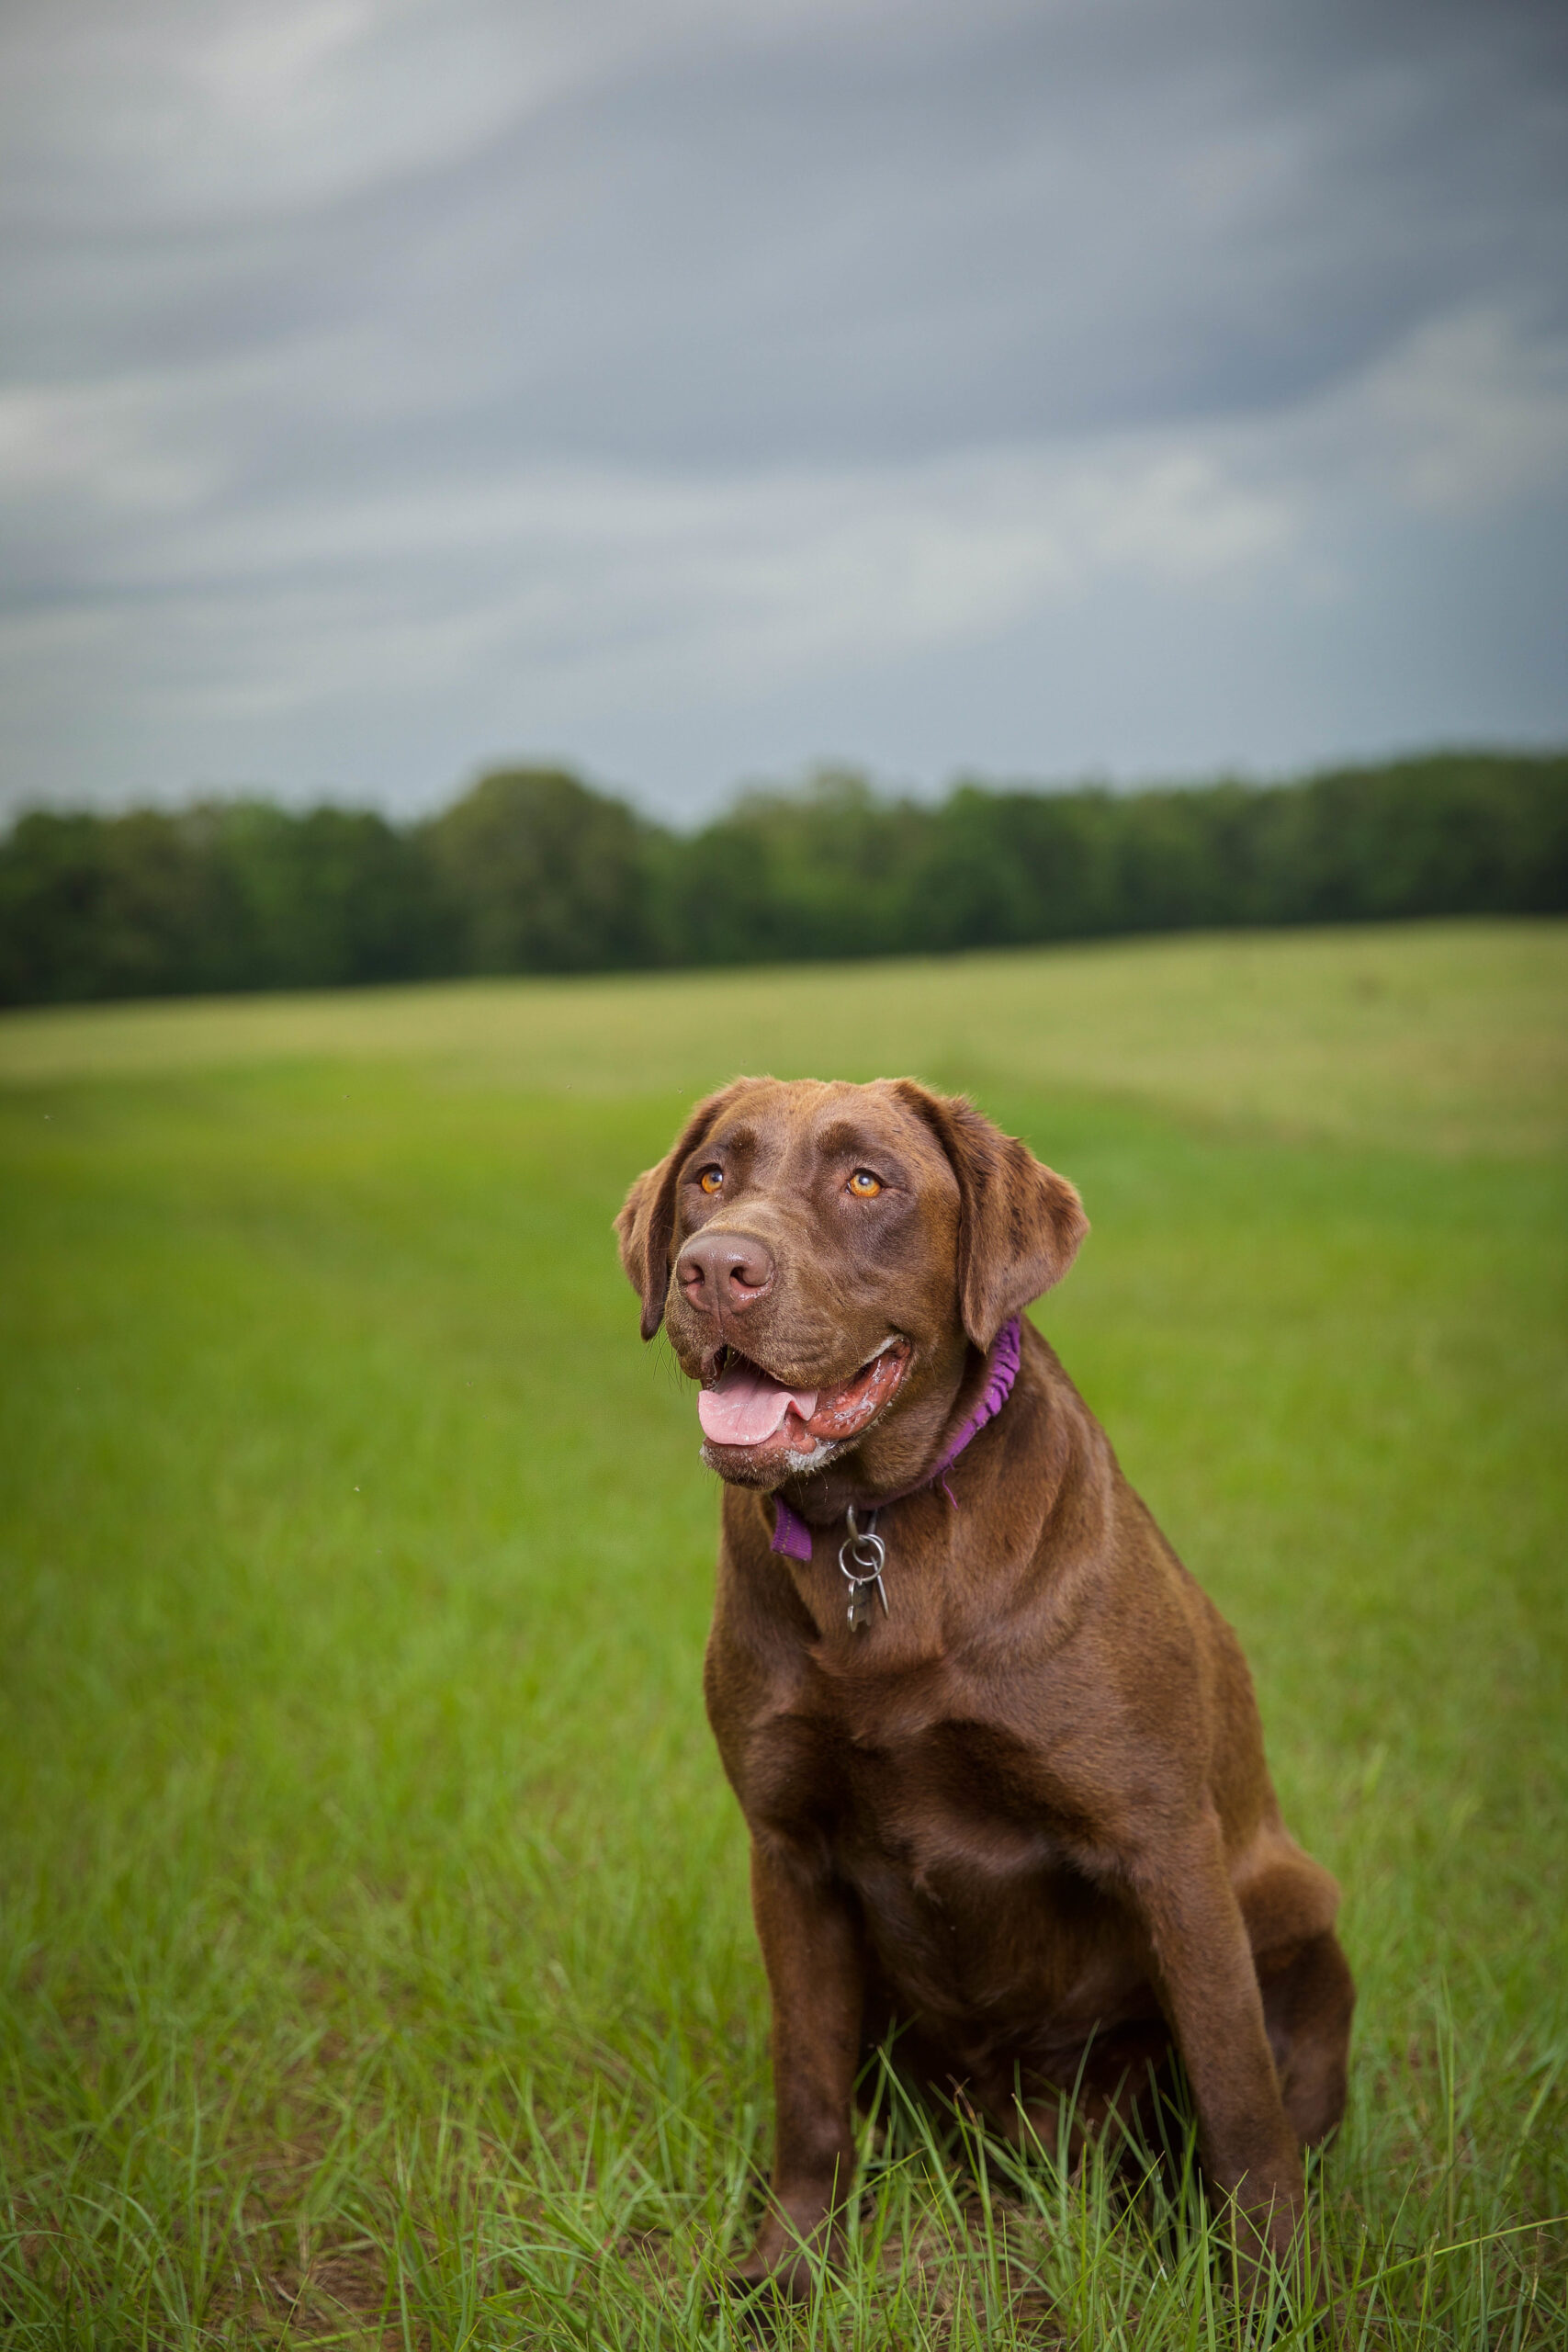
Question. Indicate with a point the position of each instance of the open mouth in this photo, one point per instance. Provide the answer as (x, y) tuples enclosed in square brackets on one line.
[(746, 1408)]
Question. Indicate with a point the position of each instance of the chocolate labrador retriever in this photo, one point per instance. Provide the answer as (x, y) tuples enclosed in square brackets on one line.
[(999, 1756)]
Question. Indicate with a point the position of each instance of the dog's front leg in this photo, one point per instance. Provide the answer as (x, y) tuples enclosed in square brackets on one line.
[(1209, 1990), (811, 1949)]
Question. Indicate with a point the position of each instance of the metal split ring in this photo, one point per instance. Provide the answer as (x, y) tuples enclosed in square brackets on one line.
[(865, 1548)]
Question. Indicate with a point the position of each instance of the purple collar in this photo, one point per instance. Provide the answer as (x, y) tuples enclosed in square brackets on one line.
[(792, 1536)]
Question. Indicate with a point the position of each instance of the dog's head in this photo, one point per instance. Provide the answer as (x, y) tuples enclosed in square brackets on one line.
[(825, 1254)]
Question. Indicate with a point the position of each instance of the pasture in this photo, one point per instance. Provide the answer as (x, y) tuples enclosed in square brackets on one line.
[(376, 1964)]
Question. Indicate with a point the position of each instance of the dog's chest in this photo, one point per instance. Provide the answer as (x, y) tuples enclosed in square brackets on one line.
[(908, 1788)]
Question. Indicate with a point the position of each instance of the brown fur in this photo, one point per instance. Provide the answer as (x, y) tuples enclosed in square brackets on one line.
[(1026, 1816)]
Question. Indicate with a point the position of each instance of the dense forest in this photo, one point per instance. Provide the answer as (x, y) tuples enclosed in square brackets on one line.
[(533, 871)]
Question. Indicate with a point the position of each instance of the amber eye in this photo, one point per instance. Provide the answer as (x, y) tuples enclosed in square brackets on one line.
[(711, 1179), (864, 1185)]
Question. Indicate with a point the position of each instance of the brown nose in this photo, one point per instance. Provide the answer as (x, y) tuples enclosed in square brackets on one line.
[(720, 1271)]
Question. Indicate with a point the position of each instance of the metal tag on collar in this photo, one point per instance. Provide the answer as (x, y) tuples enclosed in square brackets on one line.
[(864, 1547)]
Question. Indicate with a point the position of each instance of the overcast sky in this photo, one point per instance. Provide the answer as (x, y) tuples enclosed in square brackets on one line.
[(697, 388)]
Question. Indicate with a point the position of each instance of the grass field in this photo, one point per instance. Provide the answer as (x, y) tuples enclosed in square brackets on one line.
[(377, 1964)]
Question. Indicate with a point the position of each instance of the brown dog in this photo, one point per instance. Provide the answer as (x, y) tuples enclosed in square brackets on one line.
[(1011, 1796)]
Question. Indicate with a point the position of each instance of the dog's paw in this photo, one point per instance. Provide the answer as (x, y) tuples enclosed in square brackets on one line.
[(788, 2269)]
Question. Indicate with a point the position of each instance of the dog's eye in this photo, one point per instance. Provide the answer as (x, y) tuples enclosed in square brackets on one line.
[(711, 1179), (864, 1185)]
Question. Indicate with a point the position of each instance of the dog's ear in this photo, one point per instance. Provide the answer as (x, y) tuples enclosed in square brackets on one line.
[(645, 1225), (1019, 1223)]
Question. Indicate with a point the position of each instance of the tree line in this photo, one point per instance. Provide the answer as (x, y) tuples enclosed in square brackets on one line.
[(531, 870)]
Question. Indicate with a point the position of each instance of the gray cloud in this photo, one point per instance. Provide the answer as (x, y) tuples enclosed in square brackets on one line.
[(695, 388)]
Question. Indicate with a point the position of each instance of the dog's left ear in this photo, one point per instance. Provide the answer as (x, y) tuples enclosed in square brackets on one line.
[(1019, 1223), (645, 1225)]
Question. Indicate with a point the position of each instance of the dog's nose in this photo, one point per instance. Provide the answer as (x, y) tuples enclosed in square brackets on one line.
[(723, 1270)]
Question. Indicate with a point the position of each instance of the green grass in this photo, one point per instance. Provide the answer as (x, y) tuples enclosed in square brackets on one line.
[(377, 1964)]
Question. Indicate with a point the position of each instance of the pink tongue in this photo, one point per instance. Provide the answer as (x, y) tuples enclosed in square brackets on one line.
[(747, 1405)]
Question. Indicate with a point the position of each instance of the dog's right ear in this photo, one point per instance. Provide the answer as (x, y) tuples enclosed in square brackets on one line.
[(645, 1225)]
